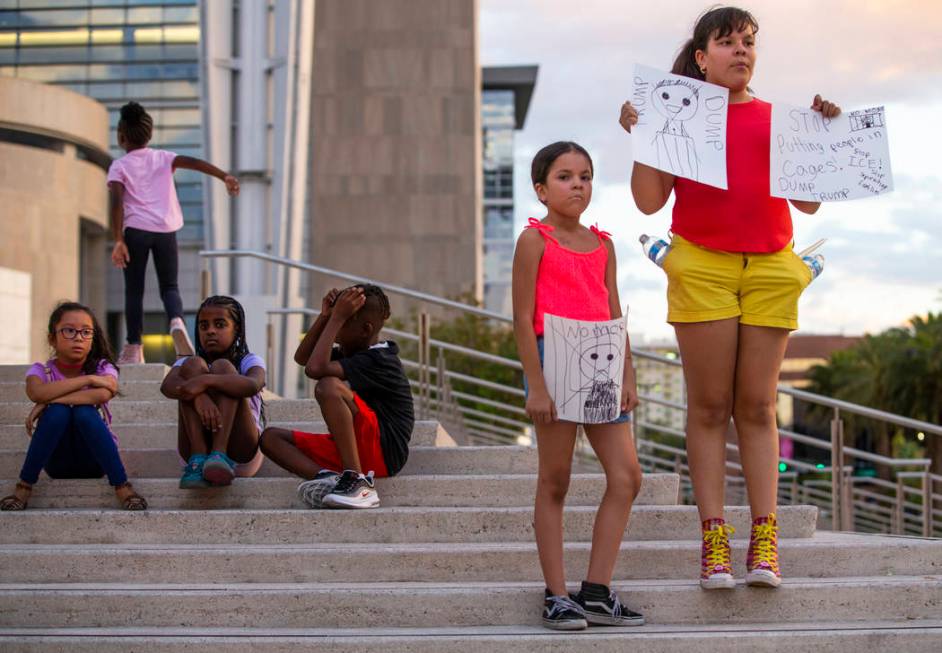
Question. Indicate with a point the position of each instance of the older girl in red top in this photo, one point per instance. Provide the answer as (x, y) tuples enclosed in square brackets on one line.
[(733, 288), (563, 268)]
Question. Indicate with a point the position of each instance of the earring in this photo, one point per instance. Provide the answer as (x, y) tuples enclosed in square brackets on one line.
[(703, 70)]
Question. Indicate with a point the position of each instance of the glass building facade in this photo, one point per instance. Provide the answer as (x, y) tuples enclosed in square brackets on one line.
[(498, 123), (115, 51)]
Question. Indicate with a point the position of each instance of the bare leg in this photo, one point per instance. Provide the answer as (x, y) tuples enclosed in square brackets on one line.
[(238, 434), (191, 436), (708, 351), (278, 445), (555, 444), (761, 350), (338, 408), (615, 449)]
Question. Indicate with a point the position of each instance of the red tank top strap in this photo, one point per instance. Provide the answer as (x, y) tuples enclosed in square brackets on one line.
[(545, 229), (602, 235)]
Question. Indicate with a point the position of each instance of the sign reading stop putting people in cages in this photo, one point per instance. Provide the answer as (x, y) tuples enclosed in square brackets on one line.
[(822, 159)]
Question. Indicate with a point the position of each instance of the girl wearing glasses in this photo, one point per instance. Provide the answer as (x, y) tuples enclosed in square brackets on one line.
[(70, 422)]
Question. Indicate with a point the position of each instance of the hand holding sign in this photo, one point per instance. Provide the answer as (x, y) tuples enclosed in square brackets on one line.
[(681, 125), (821, 159)]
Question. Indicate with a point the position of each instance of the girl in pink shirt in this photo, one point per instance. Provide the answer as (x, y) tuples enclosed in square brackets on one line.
[(145, 216), (563, 268), (70, 424)]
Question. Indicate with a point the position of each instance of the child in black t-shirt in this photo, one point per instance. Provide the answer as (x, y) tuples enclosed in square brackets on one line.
[(369, 418)]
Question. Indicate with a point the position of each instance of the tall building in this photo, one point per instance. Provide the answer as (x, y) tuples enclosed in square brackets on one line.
[(53, 161), (396, 152), (115, 51), (505, 99)]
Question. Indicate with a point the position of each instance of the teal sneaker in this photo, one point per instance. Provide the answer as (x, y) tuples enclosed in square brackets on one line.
[(219, 469), (193, 473)]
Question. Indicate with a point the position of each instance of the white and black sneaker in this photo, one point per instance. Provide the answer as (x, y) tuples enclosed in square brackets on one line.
[(562, 613), (312, 492), (602, 607), (353, 490)]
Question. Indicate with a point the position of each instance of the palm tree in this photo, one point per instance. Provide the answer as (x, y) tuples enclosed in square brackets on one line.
[(899, 371)]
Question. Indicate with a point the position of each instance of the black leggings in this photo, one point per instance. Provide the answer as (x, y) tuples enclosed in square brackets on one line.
[(164, 245)]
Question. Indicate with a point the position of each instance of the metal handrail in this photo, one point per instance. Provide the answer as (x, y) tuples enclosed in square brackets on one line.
[(399, 290), (829, 402), (848, 503)]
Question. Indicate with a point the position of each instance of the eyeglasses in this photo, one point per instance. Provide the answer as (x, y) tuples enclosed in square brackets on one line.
[(70, 333)]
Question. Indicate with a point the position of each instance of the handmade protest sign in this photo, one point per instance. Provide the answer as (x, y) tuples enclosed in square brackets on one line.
[(681, 125), (822, 159), (583, 364)]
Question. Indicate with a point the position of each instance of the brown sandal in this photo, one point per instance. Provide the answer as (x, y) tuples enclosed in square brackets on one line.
[(13, 502), (133, 501)]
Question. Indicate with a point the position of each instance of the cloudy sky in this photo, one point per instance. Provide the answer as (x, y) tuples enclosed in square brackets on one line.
[(884, 255)]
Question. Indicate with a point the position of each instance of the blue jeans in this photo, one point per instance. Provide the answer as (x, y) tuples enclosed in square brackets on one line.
[(540, 347), (72, 442)]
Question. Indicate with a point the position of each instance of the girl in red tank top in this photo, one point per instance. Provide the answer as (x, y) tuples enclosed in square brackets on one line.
[(733, 287), (565, 269)]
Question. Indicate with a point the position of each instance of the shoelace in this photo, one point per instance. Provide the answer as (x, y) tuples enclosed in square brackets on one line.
[(346, 482), (764, 548), (717, 541), (562, 604), (617, 607)]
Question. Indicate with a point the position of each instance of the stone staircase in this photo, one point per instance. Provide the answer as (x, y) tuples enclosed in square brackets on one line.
[(447, 564)]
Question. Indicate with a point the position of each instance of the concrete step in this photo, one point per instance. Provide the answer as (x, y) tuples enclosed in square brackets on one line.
[(871, 636), (431, 605), (392, 525), (825, 555), (164, 434), (166, 463), (148, 372), (416, 490), (166, 410)]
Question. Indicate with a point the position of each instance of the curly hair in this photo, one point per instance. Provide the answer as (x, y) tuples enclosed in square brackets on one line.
[(136, 124), (376, 300)]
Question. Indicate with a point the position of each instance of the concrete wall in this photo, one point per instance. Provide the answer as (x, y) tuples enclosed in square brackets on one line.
[(396, 159), (46, 194)]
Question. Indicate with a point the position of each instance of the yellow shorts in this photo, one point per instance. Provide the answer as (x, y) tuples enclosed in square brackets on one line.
[(704, 285)]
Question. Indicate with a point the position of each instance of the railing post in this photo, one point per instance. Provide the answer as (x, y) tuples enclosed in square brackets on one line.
[(440, 384), (899, 507), (424, 356), (206, 281), (270, 353), (847, 502), (927, 502), (837, 469), (793, 490)]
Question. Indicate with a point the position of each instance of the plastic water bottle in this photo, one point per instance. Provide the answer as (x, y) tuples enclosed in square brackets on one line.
[(815, 264), (654, 248)]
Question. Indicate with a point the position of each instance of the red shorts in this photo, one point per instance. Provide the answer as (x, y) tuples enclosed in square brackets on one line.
[(321, 448)]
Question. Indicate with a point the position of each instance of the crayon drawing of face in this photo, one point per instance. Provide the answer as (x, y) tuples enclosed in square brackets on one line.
[(597, 359), (675, 100)]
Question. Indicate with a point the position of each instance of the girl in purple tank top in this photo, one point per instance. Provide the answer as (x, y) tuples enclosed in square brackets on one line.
[(564, 268)]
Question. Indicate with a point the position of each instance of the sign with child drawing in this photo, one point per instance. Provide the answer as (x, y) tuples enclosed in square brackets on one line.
[(584, 364), (681, 125), (822, 159)]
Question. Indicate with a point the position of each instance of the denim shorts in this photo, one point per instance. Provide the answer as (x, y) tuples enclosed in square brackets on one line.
[(621, 419)]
